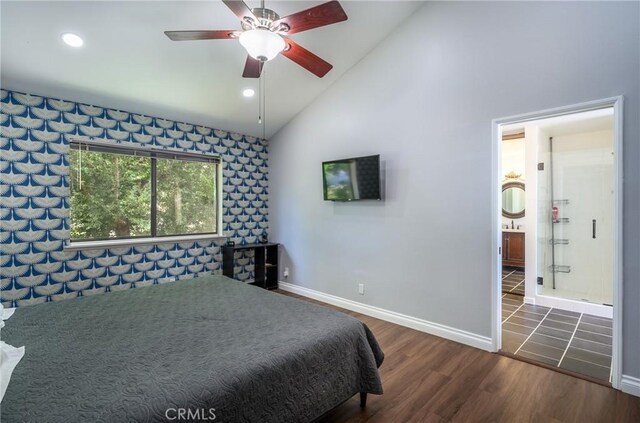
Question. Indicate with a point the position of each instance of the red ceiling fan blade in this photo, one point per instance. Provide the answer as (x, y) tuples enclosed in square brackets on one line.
[(201, 35), (252, 68), (306, 59), (324, 14), (240, 9)]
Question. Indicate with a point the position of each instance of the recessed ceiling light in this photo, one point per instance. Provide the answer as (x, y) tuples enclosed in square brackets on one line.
[(72, 39), (248, 92)]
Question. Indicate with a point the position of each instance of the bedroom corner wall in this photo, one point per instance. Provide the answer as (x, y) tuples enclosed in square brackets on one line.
[(34, 203), (424, 100)]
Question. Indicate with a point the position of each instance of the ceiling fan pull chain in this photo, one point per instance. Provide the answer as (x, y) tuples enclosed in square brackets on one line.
[(259, 99), (264, 103)]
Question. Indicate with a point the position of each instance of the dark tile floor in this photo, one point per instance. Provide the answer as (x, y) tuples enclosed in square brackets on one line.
[(572, 341), (513, 281)]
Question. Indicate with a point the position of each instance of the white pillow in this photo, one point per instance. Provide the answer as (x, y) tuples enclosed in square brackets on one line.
[(9, 356), (9, 359), (5, 313)]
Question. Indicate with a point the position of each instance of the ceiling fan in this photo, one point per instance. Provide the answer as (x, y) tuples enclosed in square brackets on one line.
[(263, 34)]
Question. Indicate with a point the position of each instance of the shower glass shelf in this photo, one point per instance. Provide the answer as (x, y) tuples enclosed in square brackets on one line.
[(559, 241), (561, 201), (561, 220), (560, 269)]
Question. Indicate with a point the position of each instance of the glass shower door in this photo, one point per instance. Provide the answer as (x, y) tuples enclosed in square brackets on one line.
[(575, 225)]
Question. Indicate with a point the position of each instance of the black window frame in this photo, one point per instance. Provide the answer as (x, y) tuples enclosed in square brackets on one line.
[(153, 154)]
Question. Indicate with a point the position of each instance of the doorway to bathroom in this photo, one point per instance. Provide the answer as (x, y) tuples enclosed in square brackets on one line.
[(557, 293), (513, 213)]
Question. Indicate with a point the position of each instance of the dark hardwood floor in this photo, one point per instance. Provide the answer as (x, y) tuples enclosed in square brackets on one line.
[(431, 379)]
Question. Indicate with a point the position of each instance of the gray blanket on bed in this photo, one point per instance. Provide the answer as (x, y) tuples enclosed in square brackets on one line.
[(211, 346)]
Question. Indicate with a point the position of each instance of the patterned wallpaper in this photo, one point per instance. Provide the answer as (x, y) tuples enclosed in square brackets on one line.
[(34, 207)]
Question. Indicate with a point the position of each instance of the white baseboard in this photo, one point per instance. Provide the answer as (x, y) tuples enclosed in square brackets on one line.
[(630, 385), (453, 334), (530, 300)]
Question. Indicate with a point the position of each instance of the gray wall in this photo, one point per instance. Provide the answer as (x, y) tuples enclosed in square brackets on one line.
[(424, 99)]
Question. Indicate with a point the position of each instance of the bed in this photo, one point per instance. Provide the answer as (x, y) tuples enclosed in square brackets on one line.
[(215, 348)]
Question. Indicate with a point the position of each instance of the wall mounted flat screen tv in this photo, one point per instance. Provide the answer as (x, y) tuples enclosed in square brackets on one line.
[(352, 179)]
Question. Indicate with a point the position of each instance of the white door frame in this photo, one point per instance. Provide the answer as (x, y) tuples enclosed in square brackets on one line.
[(496, 220)]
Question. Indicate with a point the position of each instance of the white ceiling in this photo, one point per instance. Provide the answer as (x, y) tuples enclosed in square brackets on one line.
[(129, 64)]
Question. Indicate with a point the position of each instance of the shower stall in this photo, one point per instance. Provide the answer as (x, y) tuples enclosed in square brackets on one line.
[(575, 209)]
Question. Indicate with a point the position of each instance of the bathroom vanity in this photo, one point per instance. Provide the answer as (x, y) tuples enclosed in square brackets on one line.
[(513, 248)]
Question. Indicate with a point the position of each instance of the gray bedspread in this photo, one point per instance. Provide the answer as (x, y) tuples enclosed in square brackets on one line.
[(201, 344)]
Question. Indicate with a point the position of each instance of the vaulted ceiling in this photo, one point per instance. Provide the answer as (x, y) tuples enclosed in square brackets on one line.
[(128, 63)]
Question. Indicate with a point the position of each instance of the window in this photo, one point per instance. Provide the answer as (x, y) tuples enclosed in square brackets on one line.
[(123, 192)]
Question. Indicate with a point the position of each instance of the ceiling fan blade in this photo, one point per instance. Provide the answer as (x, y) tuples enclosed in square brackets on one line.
[(306, 59), (240, 9), (252, 68), (201, 35), (324, 14)]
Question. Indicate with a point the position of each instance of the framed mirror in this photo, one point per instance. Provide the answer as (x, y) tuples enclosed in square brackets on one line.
[(513, 200)]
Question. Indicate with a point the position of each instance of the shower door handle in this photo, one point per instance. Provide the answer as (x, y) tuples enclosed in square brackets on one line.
[(593, 229)]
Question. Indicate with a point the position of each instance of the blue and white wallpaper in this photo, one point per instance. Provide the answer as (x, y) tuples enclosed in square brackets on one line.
[(34, 208)]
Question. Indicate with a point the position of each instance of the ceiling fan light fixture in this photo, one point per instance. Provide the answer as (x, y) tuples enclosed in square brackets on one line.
[(262, 44)]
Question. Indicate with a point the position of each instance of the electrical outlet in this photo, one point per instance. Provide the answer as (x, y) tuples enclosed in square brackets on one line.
[(286, 272), (361, 288)]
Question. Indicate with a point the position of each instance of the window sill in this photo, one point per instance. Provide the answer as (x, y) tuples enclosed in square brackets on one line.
[(108, 243)]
